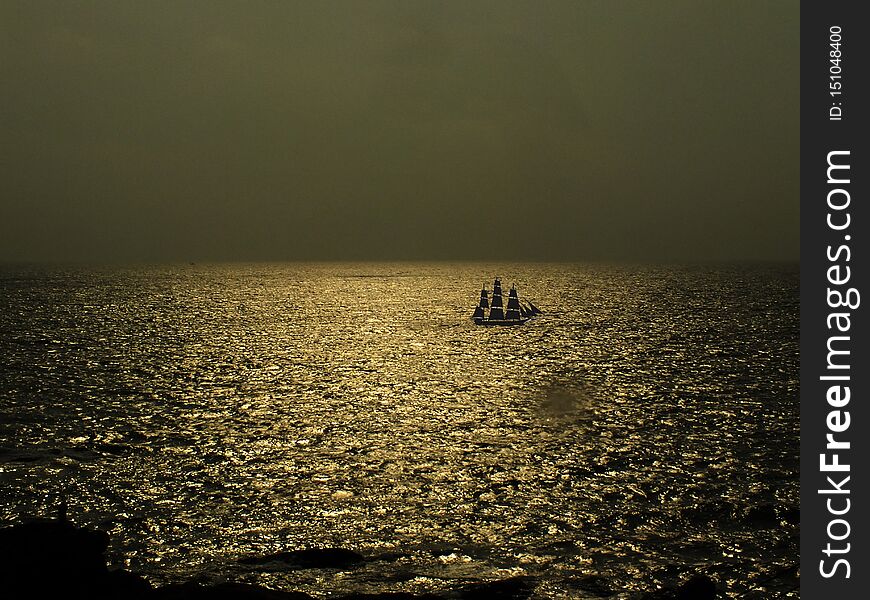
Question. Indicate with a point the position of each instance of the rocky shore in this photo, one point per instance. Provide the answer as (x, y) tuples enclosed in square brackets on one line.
[(56, 559)]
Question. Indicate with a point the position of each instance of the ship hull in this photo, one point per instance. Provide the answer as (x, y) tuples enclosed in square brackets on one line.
[(499, 322)]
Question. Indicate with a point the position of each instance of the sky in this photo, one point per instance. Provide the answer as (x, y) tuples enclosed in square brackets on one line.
[(402, 130)]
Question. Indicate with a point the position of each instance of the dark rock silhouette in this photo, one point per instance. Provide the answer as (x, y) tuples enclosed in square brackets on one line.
[(391, 596), (124, 584), (503, 589), (223, 591), (698, 587), (57, 559)]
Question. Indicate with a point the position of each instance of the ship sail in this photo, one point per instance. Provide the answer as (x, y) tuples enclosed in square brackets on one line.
[(513, 305), (479, 312), (496, 312), (525, 308)]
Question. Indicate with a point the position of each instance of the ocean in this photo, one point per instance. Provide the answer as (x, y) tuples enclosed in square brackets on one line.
[(643, 429)]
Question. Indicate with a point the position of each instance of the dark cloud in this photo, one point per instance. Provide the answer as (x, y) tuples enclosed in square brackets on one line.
[(396, 130)]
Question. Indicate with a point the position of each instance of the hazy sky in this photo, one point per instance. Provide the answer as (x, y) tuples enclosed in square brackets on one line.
[(215, 130)]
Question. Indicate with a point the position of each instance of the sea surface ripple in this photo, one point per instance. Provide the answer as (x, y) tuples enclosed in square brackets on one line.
[(644, 427)]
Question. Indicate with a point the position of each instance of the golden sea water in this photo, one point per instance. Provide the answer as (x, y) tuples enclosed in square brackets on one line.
[(645, 427)]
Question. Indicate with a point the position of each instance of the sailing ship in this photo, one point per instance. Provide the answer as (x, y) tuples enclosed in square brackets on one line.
[(516, 312)]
